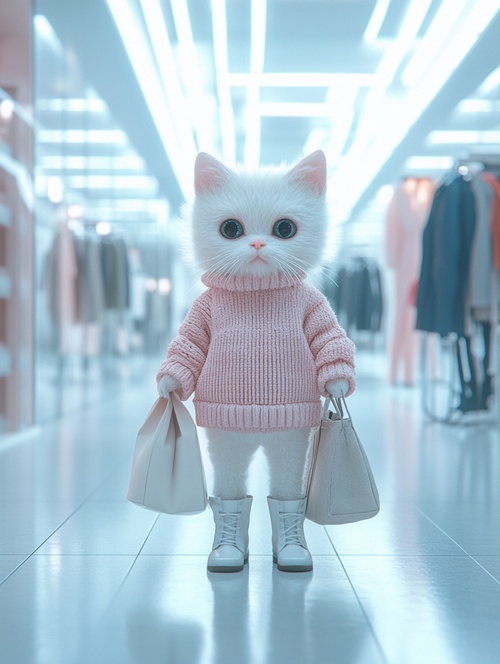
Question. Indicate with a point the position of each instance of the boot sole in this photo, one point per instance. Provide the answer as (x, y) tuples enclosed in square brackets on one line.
[(293, 568), (227, 569)]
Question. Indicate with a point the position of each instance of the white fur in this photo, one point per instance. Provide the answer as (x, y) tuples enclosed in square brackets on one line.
[(258, 199), (232, 453)]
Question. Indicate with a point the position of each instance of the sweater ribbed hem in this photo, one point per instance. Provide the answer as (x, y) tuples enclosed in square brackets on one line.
[(257, 419)]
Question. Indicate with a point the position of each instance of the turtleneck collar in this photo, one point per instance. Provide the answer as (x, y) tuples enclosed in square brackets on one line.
[(232, 282)]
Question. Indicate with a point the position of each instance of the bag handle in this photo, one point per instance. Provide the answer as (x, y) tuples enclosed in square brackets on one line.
[(339, 404)]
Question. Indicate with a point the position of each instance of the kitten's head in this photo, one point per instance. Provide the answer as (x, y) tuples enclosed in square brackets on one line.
[(266, 222)]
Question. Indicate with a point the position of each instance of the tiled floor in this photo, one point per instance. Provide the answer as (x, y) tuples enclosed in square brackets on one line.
[(87, 577)]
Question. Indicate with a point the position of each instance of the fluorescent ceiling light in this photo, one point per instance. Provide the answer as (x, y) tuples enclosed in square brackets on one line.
[(92, 105), (219, 28), (463, 137), (295, 110), (376, 20), (431, 163), (478, 106), (190, 73), (342, 121), (114, 136), (257, 52), (490, 83), (45, 30), (143, 64), (432, 43), (78, 163), (302, 80), (135, 182), (168, 72), (375, 110), (127, 205)]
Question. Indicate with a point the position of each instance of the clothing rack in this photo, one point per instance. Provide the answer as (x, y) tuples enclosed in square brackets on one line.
[(461, 386)]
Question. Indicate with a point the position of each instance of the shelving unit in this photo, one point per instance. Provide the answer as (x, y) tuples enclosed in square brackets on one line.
[(16, 266)]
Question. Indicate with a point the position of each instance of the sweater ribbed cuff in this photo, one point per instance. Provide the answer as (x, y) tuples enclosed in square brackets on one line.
[(181, 373), (336, 371)]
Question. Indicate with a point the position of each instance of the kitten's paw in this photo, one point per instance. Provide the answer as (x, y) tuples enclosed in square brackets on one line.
[(167, 384), (337, 388)]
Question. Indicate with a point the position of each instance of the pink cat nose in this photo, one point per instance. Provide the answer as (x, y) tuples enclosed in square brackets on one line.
[(258, 244)]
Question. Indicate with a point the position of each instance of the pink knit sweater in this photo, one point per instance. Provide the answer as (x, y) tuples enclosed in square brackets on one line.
[(258, 352)]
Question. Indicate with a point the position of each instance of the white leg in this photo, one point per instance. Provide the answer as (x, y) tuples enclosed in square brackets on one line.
[(231, 454), (287, 454)]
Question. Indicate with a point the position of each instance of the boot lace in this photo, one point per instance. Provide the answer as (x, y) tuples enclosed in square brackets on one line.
[(229, 528), (292, 528)]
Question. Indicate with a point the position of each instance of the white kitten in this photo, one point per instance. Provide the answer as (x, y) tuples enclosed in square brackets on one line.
[(258, 347)]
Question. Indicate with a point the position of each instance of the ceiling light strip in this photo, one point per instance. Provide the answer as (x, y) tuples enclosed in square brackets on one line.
[(376, 20), (451, 137), (295, 110), (342, 119), (77, 105), (375, 105), (128, 182), (190, 73), (257, 52), (219, 28), (143, 64), (165, 61), (99, 136), (425, 55), (478, 106), (83, 163), (303, 80)]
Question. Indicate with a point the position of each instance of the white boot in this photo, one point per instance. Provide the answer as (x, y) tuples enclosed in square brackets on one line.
[(289, 544), (230, 548)]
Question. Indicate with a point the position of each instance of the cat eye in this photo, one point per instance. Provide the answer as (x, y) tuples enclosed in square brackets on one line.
[(231, 229), (284, 229)]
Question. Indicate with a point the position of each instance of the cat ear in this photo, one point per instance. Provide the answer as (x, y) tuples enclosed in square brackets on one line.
[(310, 172), (209, 174)]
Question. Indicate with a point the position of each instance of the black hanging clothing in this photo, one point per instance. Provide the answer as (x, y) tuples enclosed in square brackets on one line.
[(367, 296), (446, 249), (115, 270), (357, 298)]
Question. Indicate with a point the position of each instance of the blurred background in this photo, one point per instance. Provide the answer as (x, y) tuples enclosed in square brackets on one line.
[(103, 107)]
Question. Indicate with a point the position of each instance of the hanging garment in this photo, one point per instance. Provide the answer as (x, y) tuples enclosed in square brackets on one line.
[(116, 273), (356, 297), (495, 217), (479, 293), (91, 284), (476, 382), (406, 218), (366, 295), (446, 249), (62, 286)]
